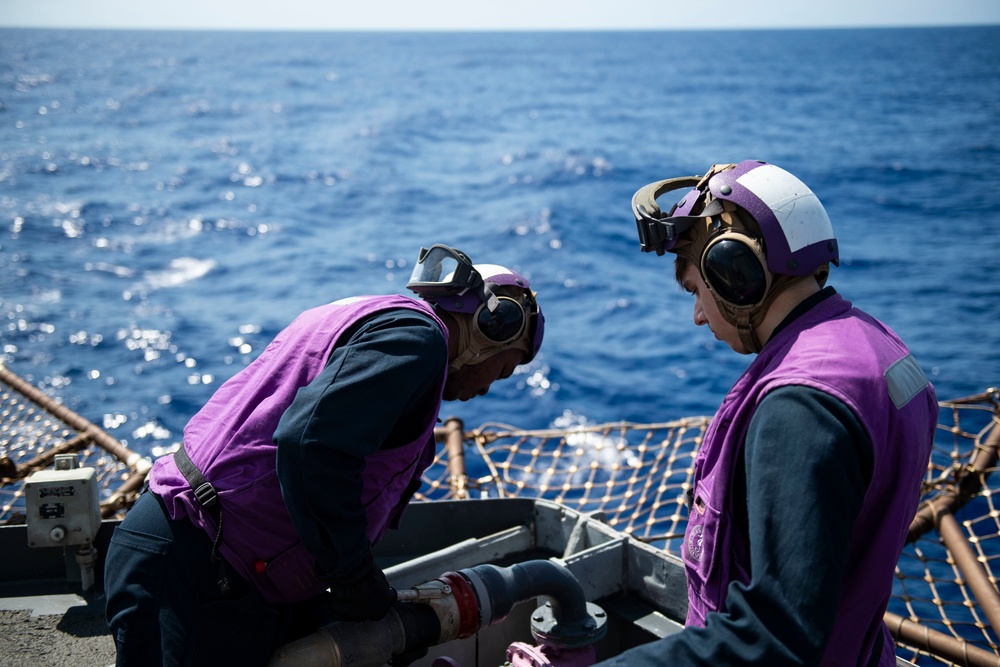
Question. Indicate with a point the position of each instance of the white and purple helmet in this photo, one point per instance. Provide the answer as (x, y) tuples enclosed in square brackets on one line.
[(797, 234), (499, 301), (752, 229)]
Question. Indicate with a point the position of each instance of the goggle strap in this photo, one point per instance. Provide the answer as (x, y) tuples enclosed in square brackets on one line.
[(644, 201), (489, 298), (655, 234)]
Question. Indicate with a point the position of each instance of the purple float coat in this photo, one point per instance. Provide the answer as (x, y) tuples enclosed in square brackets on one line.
[(231, 441), (842, 351)]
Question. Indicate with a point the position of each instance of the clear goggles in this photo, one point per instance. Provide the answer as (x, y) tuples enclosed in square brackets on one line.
[(443, 271)]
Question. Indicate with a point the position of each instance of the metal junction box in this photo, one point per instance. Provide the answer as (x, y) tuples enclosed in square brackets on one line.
[(62, 505)]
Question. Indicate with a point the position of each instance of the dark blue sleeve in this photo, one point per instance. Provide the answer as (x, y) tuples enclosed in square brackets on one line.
[(808, 463), (376, 392)]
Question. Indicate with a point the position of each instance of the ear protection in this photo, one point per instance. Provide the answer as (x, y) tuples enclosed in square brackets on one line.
[(734, 267), (504, 323), (489, 331)]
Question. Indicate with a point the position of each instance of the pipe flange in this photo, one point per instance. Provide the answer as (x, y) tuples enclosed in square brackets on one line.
[(546, 630), (464, 617)]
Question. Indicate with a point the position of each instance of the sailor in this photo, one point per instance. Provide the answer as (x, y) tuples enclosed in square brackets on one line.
[(810, 471), (260, 528)]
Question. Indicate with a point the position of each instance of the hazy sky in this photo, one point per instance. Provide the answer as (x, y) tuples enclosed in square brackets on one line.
[(492, 14)]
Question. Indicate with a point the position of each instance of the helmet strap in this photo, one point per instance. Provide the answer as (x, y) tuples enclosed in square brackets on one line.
[(716, 169), (747, 319), (745, 328), (462, 322)]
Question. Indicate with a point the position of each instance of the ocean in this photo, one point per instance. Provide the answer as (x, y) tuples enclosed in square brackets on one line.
[(170, 200)]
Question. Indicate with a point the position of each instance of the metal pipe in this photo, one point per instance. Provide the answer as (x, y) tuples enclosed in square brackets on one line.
[(455, 443), (126, 493), (506, 586), (86, 558), (45, 459), (456, 605), (568, 621), (965, 558), (405, 628), (938, 643), (969, 485), (72, 419)]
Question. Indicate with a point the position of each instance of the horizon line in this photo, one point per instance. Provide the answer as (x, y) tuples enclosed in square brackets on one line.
[(418, 29)]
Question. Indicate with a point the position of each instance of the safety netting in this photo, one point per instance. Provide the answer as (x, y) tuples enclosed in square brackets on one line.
[(636, 477), (35, 428), (944, 605)]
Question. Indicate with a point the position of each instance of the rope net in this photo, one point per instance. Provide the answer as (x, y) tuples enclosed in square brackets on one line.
[(944, 604), (34, 428), (636, 477)]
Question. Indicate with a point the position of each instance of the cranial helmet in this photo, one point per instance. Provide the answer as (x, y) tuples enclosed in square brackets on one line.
[(752, 229), (501, 308)]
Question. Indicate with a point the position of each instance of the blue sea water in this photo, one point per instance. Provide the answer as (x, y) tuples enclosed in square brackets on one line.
[(170, 200)]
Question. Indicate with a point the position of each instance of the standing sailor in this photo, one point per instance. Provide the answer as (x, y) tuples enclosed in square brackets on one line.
[(810, 471)]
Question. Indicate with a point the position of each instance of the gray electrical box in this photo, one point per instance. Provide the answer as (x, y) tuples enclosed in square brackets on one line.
[(62, 505)]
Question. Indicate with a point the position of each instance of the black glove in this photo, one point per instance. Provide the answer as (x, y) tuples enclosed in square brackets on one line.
[(362, 594)]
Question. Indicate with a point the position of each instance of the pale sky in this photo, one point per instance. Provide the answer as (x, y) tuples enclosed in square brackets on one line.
[(493, 14)]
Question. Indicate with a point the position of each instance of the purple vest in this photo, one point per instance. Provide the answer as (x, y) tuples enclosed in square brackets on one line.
[(230, 441), (844, 352)]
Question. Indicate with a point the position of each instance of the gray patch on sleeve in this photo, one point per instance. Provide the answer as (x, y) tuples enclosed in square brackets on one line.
[(905, 379)]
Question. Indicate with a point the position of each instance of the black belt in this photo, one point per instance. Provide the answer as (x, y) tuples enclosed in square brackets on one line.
[(207, 497), (204, 492)]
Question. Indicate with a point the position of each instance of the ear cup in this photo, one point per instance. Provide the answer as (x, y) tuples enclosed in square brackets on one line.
[(735, 269), (504, 324)]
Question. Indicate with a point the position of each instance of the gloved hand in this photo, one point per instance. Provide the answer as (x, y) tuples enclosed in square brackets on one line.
[(362, 594)]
